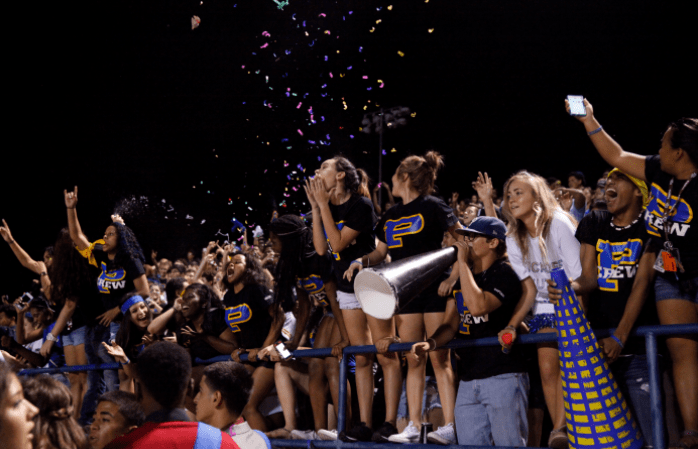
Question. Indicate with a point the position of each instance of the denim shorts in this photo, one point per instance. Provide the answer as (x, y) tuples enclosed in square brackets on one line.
[(347, 301), (666, 289), (75, 337)]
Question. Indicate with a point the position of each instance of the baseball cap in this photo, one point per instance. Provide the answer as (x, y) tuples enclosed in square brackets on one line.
[(487, 226)]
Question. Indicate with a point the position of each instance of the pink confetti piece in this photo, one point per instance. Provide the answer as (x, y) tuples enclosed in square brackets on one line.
[(265, 33), (300, 132), (365, 77), (331, 75), (322, 14), (299, 105), (265, 45)]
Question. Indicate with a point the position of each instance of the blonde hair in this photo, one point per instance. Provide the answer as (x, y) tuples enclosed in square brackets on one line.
[(545, 207)]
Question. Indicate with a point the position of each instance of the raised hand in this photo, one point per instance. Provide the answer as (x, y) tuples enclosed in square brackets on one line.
[(116, 218), (5, 232), (483, 186), (585, 118), (71, 198), (309, 193)]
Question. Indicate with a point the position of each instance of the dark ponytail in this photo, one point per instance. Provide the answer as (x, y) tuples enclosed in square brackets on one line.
[(355, 180), (422, 170)]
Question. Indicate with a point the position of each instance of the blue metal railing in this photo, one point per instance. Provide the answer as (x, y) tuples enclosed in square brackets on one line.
[(650, 333)]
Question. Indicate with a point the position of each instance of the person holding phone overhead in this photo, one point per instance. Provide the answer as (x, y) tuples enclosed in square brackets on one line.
[(669, 220)]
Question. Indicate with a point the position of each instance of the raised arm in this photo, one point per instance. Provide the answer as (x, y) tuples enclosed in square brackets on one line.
[(338, 239), (479, 302), (22, 256), (631, 163), (71, 201), (483, 187)]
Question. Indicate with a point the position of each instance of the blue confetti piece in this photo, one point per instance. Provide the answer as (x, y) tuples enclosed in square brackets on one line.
[(361, 49), (325, 57), (322, 118), (254, 53), (304, 24), (327, 137), (351, 136), (284, 140), (311, 142), (288, 52), (349, 68), (384, 153), (368, 88), (323, 95), (324, 85), (288, 94)]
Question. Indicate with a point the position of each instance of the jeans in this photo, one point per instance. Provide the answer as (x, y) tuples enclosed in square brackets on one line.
[(493, 410), (632, 377), (97, 381)]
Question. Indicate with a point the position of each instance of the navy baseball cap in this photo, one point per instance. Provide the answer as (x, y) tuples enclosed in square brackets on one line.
[(487, 226)]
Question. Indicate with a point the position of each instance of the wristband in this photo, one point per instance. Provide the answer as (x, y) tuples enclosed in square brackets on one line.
[(126, 362), (620, 343), (357, 261), (597, 130), (429, 340), (51, 337)]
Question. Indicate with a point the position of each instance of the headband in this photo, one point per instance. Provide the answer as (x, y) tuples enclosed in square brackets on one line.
[(131, 301)]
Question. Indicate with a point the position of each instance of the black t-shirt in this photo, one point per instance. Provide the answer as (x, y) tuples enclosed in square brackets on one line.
[(618, 253), (313, 273), (416, 228), (198, 347), (683, 233), (247, 314), (114, 281), (356, 213), (480, 362)]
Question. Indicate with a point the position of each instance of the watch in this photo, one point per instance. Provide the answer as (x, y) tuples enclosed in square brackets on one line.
[(50, 337)]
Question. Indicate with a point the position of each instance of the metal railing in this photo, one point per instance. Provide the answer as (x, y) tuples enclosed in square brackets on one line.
[(650, 334)]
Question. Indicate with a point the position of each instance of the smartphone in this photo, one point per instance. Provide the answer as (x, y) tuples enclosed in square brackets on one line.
[(281, 349), (577, 105)]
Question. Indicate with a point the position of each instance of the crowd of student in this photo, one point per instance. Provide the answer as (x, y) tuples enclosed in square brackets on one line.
[(628, 245)]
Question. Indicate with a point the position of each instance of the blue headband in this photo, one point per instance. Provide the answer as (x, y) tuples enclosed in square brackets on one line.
[(131, 301)]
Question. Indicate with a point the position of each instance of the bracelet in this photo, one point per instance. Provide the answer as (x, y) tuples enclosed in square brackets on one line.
[(357, 261), (430, 340), (597, 130), (10, 242), (620, 343), (126, 362), (511, 327), (51, 337), (43, 273)]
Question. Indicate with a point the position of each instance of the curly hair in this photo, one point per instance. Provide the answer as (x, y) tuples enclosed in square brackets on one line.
[(296, 246), (128, 247), (421, 171), (55, 425), (69, 273), (253, 271), (129, 335), (208, 300), (545, 208)]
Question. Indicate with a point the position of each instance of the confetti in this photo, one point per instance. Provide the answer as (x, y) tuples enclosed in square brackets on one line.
[(281, 4), (265, 45), (400, 53), (265, 33), (195, 22)]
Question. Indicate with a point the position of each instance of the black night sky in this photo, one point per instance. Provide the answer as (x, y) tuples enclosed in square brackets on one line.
[(164, 122)]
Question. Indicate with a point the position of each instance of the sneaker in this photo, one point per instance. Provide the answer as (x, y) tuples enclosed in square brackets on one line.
[(558, 439), (383, 433), (304, 435), (357, 433), (327, 435), (445, 435), (409, 435)]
